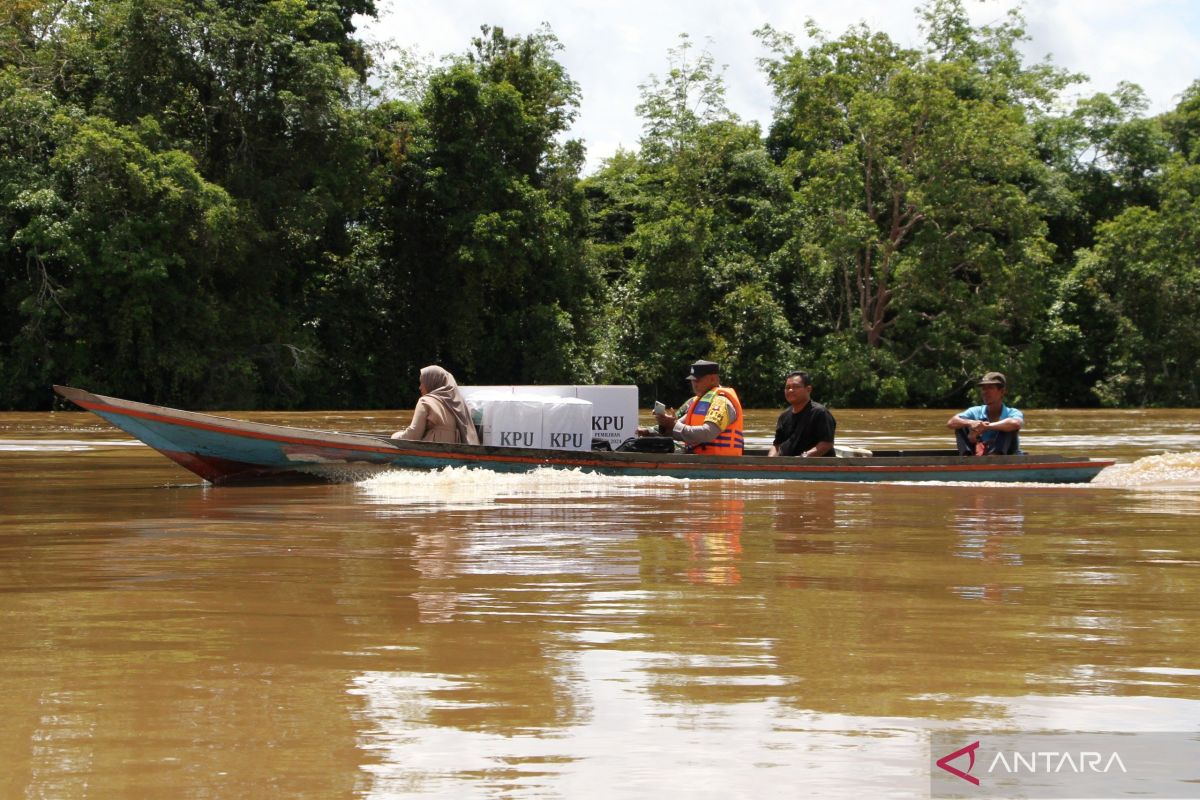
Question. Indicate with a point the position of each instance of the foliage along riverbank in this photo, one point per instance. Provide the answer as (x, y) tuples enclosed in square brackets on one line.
[(237, 205)]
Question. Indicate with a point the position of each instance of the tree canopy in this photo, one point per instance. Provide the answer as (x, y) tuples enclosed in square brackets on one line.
[(221, 204)]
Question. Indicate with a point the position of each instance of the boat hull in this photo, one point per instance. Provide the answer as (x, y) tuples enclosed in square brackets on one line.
[(223, 451)]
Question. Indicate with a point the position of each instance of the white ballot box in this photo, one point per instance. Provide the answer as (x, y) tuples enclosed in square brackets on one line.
[(512, 421), (613, 414), (566, 424)]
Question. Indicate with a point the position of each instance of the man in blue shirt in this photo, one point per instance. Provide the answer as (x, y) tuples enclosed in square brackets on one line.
[(989, 429)]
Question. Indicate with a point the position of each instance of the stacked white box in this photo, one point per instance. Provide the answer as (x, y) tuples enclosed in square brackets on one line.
[(544, 391), (566, 423), (614, 412), (478, 399), (614, 408), (512, 421)]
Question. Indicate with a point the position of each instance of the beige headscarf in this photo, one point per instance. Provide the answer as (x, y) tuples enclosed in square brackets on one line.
[(442, 388)]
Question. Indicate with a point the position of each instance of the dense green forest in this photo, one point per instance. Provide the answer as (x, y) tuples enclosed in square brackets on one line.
[(238, 204)]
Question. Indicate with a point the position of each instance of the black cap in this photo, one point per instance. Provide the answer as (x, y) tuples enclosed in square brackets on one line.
[(702, 368)]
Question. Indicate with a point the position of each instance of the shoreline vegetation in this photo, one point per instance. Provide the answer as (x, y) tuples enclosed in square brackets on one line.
[(240, 205)]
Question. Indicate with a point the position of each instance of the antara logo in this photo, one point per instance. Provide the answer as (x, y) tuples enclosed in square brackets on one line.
[(1056, 761), (969, 750), (1034, 761)]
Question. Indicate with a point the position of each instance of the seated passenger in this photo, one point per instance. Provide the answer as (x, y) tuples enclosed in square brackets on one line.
[(711, 423), (441, 414), (989, 429), (805, 428)]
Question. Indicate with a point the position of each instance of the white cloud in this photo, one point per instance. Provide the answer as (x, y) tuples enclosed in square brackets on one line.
[(610, 48), (1153, 43)]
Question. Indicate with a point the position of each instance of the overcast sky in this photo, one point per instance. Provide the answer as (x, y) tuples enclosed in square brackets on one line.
[(612, 46)]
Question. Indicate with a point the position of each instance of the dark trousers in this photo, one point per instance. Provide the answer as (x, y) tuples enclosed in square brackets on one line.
[(1004, 443)]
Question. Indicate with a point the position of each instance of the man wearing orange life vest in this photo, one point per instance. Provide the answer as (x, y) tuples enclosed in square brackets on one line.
[(711, 423)]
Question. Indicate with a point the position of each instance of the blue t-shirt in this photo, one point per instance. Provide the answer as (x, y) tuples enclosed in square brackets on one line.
[(980, 413)]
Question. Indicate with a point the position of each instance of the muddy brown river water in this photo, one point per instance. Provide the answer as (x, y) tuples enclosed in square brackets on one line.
[(463, 634)]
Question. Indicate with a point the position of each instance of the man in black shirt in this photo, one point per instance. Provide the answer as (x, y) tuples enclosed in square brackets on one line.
[(806, 428)]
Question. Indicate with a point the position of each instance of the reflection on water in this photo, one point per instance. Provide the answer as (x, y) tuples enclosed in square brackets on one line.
[(714, 540), (626, 744), (988, 524), (462, 634)]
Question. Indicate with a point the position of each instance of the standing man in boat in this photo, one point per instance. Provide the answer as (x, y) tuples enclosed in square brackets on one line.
[(712, 422), (989, 429), (805, 428)]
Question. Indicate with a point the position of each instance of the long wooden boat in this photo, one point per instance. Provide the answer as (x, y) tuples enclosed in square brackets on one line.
[(223, 451)]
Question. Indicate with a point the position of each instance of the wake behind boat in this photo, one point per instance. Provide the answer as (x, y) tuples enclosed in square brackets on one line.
[(223, 451)]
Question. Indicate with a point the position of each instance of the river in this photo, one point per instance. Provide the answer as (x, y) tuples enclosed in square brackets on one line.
[(463, 634)]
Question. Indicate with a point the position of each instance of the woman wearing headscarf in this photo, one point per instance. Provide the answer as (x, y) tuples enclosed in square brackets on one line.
[(441, 414)]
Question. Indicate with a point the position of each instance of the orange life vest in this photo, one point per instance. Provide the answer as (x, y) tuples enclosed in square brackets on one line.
[(732, 440)]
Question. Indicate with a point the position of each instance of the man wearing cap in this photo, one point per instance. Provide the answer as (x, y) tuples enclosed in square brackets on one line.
[(711, 423), (989, 429)]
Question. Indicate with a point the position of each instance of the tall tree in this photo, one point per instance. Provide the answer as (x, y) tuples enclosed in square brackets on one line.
[(1104, 156), (1183, 124), (688, 227), (1129, 305), (249, 97), (480, 248), (111, 260), (915, 171)]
